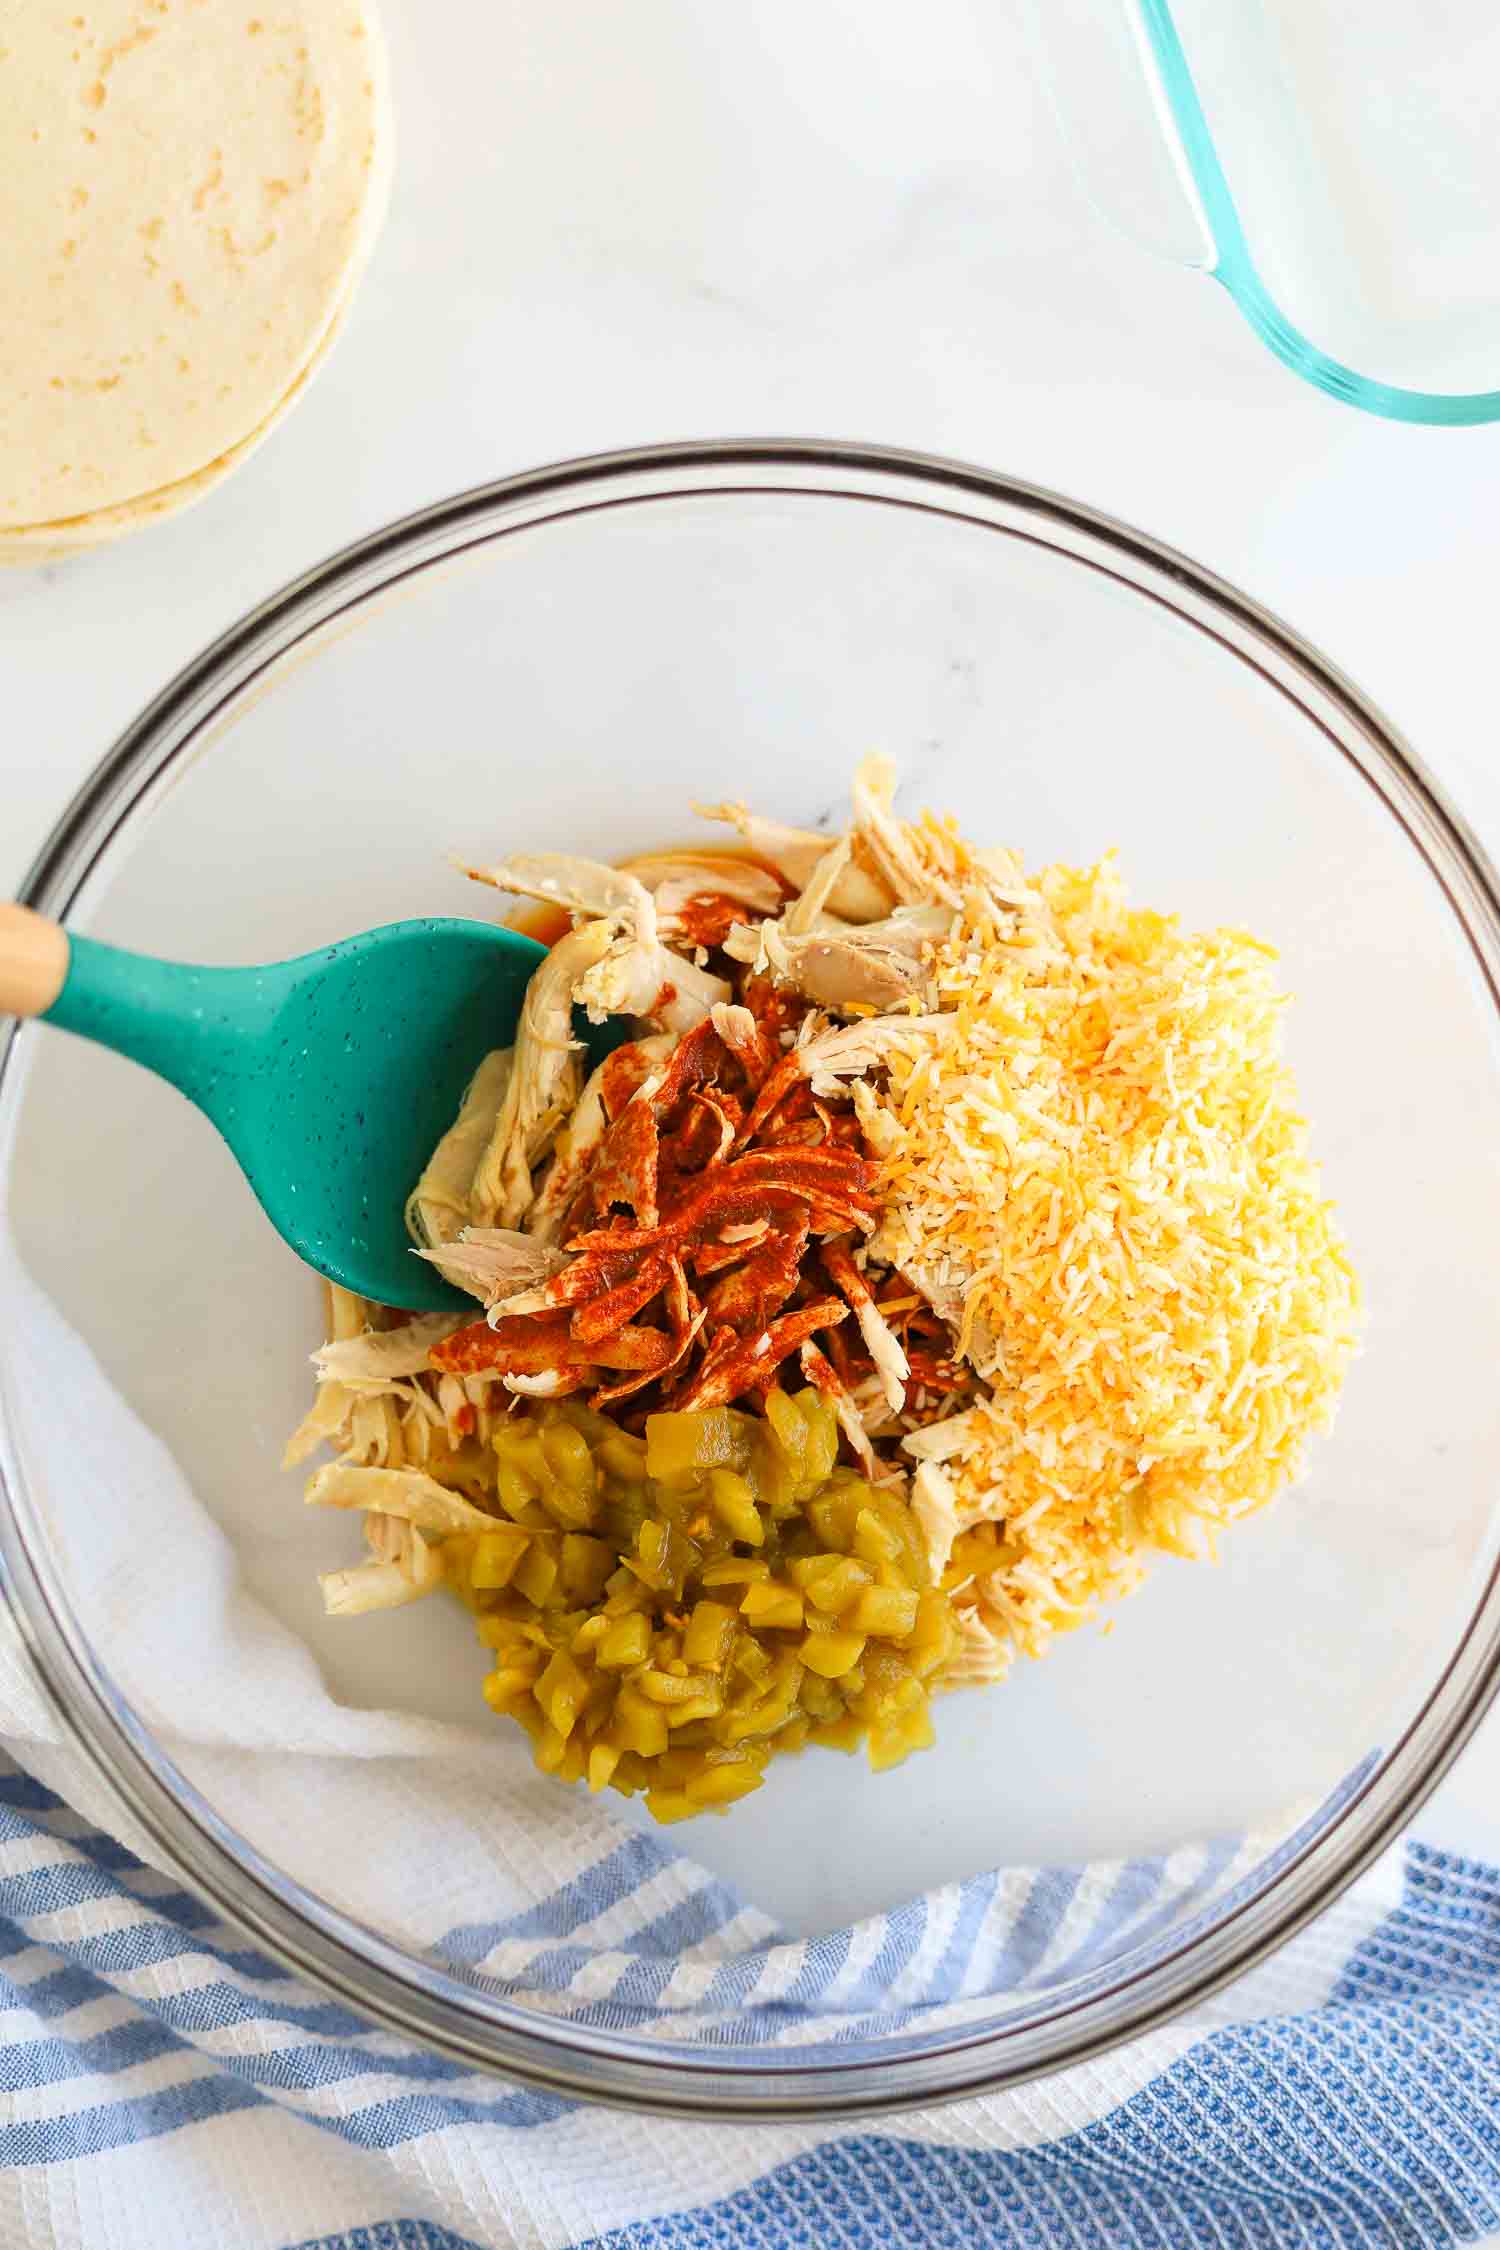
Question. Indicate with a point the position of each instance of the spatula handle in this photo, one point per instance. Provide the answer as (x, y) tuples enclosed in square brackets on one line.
[(33, 961), (192, 1026)]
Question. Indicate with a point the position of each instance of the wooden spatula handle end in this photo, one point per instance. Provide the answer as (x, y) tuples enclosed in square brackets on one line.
[(33, 961)]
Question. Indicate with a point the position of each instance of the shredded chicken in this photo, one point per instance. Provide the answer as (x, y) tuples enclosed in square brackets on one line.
[(868, 1394), (811, 909), (743, 1036), (651, 983), (946, 1290), (935, 1506), (551, 1383), (699, 900), (376, 1432), (376, 1357), (410, 1494), (823, 1376), (577, 1140), (381, 1585), (851, 1050), (493, 1262), (347, 1314), (925, 862), (439, 1203), (878, 965), (588, 889), (391, 1539), (403, 1569), (986, 1650), (544, 1081), (889, 1359), (940, 1441), (859, 895), (322, 1424), (631, 973), (890, 843)]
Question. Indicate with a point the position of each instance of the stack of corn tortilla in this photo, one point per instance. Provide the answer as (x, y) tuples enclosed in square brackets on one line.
[(188, 191)]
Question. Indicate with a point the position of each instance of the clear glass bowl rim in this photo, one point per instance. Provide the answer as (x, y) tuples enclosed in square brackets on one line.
[(416, 1999)]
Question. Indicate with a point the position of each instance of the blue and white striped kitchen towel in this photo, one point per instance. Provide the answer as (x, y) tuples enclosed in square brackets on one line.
[(163, 2083)]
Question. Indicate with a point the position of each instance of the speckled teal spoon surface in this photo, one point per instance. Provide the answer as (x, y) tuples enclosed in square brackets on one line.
[(331, 1077)]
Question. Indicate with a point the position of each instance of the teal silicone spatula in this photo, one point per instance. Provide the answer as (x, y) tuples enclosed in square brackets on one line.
[(331, 1077)]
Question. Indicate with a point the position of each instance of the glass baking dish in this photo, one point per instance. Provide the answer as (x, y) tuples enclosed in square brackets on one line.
[(1337, 169)]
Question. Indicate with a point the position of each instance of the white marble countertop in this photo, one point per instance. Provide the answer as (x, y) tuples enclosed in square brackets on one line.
[(617, 225)]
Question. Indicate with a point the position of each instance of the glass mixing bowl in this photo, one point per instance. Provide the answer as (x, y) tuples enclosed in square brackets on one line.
[(569, 659)]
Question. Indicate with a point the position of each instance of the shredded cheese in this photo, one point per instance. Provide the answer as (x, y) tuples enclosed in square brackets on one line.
[(1104, 1157)]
